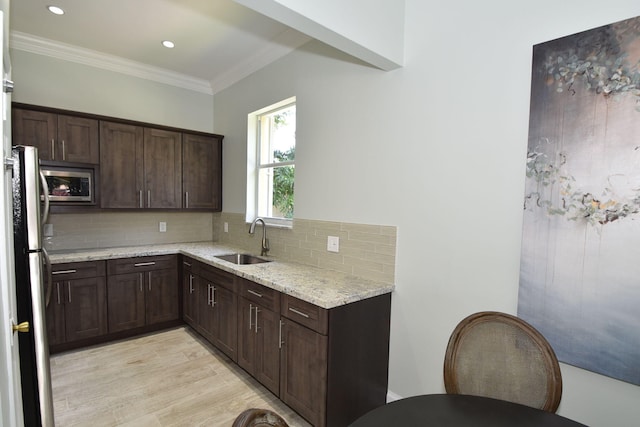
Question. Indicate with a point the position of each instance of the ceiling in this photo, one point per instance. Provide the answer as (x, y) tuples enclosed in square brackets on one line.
[(217, 42)]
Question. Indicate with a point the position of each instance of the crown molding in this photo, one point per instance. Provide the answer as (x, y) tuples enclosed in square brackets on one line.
[(41, 46)]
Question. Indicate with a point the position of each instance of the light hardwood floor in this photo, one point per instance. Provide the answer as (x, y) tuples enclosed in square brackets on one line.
[(169, 378)]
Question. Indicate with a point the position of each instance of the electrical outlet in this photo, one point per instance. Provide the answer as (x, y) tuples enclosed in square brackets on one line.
[(333, 244), (226, 227), (163, 227)]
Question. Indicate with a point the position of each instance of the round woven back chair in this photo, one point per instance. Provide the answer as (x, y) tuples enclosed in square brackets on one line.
[(255, 417), (501, 356)]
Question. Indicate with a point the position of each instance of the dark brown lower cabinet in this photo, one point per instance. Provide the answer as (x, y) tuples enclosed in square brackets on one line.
[(334, 363), (189, 292), (77, 306), (210, 304), (329, 365), (258, 343), (142, 291), (303, 381)]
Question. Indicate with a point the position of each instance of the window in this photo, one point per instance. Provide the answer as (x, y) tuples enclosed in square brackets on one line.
[(271, 163)]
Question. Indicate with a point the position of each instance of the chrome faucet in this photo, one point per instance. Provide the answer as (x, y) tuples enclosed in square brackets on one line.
[(265, 241)]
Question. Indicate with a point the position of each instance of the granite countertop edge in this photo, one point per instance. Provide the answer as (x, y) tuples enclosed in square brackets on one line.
[(322, 287)]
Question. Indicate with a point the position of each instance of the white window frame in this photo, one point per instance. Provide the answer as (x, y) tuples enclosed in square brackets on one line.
[(253, 164)]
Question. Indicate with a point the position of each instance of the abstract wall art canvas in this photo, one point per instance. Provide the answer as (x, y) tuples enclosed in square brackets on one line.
[(580, 263)]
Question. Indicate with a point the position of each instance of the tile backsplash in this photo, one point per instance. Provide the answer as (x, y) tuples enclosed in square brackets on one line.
[(367, 251), (111, 229)]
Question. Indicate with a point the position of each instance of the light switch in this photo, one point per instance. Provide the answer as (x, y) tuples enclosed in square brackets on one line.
[(333, 244), (163, 227)]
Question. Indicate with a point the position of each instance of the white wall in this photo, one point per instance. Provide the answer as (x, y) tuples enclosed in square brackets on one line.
[(436, 148), (56, 83)]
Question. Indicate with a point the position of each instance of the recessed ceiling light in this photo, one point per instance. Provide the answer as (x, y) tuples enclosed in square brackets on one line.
[(168, 44), (55, 10)]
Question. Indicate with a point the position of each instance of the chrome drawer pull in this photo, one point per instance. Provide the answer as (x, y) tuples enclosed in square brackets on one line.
[(144, 264), (254, 293), (250, 319), (188, 264), (64, 272), (299, 312), (280, 342)]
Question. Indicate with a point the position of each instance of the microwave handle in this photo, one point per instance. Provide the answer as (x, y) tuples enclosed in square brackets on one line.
[(45, 192)]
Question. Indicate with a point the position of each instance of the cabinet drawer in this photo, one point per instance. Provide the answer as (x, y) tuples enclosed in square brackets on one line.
[(77, 270), (216, 276), (305, 313), (139, 264), (266, 297)]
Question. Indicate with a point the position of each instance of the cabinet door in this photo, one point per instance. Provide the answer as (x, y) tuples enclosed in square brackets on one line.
[(202, 172), (303, 371), (126, 301), (77, 140), (55, 315), (121, 166), (189, 295), (161, 296), (162, 169), (225, 307), (206, 314), (246, 335), (267, 358), (258, 343), (85, 308), (35, 128)]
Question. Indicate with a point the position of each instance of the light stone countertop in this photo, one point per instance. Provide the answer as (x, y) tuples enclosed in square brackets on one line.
[(324, 288)]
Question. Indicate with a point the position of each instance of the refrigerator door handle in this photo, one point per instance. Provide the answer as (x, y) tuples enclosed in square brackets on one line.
[(47, 263), (45, 193)]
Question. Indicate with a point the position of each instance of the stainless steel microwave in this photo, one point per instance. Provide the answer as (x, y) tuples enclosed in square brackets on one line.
[(70, 184)]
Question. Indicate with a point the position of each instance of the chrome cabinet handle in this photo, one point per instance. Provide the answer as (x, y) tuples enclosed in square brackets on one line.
[(64, 157), (63, 272), (140, 198), (254, 293), (213, 295), (188, 264), (144, 264), (148, 198), (69, 289), (58, 291), (191, 283), (186, 199), (141, 280), (280, 342), (250, 310), (299, 312), (256, 324), (53, 149), (149, 281)]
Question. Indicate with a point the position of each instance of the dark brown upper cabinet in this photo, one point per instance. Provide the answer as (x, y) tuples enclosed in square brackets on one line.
[(202, 172), (140, 167), (58, 137)]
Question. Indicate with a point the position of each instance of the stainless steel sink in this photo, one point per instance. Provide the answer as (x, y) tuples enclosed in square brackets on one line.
[(242, 259)]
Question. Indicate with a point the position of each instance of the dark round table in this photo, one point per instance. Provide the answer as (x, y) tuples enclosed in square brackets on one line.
[(459, 410)]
